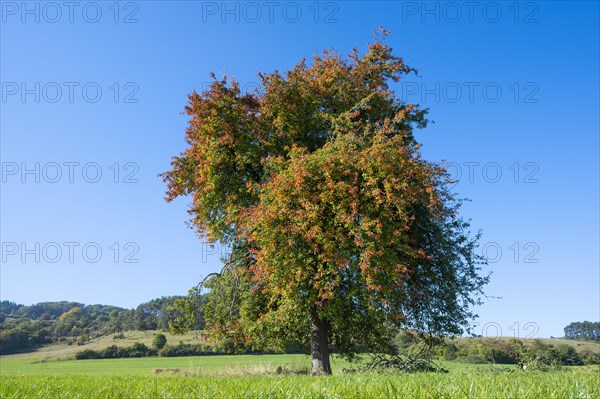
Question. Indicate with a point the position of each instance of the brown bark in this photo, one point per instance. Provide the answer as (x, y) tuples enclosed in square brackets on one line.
[(319, 344)]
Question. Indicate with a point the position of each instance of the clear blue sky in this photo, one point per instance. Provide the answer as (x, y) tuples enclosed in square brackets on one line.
[(512, 87)]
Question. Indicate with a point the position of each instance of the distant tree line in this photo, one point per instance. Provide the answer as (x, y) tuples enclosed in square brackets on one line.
[(533, 355), (529, 355), (141, 350), (24, 328), (584, 330)]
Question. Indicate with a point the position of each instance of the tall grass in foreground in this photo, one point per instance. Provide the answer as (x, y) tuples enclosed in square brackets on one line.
[(581, 383)]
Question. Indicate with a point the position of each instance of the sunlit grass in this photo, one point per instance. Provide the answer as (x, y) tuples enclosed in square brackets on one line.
[(578, 383), (273, 376)]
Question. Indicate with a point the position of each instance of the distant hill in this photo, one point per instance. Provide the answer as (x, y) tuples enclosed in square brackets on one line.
[(23, 328)]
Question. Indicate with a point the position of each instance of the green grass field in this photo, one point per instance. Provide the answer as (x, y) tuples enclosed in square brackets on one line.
[(199, 365), (232, 377), (581, 383)]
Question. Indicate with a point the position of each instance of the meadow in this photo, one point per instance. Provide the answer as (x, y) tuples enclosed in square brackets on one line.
[(273, 376)]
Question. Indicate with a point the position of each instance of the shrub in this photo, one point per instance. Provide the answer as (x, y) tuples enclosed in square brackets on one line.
[(138, 350), (114, 352), (568, 356), (87, 354), (541, 356), (123, 352), (184, 350), (589, 357), (450, 351), (159, 341), (110, 352), (502, 353)]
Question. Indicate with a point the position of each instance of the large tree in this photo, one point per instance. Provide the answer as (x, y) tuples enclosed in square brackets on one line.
[(341, 232)]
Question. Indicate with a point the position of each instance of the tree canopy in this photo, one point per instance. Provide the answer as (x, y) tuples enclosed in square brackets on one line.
[(341, 232), (585, 330)]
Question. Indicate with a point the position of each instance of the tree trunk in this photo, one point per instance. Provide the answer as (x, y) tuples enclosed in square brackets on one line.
[(319, 344)]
